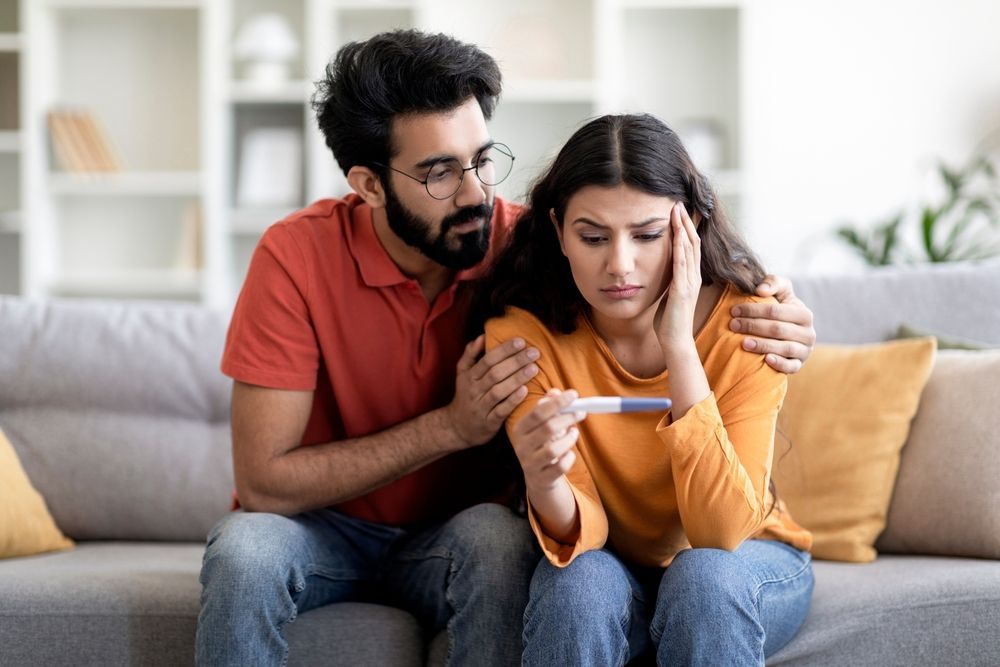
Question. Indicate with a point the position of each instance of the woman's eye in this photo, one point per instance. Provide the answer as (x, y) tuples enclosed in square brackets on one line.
[(650, 237), (591, 240)]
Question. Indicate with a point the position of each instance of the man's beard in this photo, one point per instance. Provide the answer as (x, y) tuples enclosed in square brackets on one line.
[(417, 233)]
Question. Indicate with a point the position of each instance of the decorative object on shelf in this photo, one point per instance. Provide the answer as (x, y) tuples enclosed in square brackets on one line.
[(270, 169), (268, 46), (705, 143), (965, 226), (79, 143)]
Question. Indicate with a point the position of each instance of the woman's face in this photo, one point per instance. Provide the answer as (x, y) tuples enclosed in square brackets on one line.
[(618, 243)]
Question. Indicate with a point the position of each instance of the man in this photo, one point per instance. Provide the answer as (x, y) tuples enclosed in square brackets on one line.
[(358, 412)]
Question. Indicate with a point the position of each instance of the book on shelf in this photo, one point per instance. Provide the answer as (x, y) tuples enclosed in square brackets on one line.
[(188, 256), (79, 142)]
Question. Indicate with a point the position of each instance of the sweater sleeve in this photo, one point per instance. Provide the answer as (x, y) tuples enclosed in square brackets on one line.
[(592, 529), (721, 452)]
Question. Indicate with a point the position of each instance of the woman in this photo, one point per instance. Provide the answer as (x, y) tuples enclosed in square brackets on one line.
[(661, 532)]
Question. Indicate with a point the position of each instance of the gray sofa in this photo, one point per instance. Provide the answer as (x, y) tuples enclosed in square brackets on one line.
[(120, 417)]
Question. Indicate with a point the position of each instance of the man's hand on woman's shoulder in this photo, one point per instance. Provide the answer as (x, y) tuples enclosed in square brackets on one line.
[(782, 331)]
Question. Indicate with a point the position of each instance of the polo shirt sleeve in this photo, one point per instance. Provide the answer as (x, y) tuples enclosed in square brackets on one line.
[(271, 340), (720, 455), (592, 531)]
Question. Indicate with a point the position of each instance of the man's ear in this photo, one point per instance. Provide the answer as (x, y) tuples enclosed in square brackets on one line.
[(555, 223), (368, 185)]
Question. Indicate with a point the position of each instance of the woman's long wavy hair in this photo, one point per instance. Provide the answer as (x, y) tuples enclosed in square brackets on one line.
[(637, 150)]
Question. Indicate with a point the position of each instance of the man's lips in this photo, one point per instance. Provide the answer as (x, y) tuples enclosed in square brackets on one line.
[(621, 291), (471, 226)]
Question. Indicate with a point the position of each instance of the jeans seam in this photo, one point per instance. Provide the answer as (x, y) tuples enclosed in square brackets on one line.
[(781, 580), (452, 571)]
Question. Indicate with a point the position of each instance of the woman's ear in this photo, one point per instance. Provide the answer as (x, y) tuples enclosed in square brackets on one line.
[(368, 185), (555, 223)]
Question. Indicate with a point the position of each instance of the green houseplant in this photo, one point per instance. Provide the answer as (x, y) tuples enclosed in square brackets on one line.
[(964, 226)]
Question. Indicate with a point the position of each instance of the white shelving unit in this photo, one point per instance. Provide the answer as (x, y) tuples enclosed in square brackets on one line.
[(164, 80), (11, 47)]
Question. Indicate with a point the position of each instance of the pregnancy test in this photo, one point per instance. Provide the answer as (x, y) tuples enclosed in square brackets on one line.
[(615, 404)]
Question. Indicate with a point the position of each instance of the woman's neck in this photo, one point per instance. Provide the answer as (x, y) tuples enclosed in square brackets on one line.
[(632, 342)]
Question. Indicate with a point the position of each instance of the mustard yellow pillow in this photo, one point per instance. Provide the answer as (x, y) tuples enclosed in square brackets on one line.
[(844, 421), (26, 527)]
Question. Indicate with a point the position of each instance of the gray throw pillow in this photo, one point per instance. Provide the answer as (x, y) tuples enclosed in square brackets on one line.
[(947, 495)]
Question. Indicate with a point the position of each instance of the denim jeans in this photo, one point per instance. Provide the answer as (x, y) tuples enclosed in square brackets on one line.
[(709, 607), (468, 575)]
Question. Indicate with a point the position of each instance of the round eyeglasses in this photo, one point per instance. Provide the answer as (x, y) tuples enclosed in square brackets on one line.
[(444, 178)]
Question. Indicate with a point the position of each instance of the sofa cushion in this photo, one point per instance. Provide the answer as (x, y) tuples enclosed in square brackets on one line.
[(122, 603), (119, 414), (947, 495), (900, 611), (845, 418), (26, 527)]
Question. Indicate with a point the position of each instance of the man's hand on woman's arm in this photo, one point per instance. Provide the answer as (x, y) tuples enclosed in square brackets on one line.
[(782, 331)]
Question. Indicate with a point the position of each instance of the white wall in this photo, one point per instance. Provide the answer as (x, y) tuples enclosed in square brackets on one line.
[(847, 106)]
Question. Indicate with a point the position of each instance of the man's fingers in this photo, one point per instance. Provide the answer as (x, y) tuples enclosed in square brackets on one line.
[(793, 313), (777, 286), (472, 351), (518, 369), (505, 350), (780, 348), (783, 365)]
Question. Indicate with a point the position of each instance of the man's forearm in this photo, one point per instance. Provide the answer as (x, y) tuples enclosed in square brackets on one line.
[(315, 476)]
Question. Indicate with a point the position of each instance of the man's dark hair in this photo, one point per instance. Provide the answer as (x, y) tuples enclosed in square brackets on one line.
[(404, 71)]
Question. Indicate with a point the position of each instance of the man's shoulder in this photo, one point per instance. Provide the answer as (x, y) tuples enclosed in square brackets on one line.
[(505, 212)]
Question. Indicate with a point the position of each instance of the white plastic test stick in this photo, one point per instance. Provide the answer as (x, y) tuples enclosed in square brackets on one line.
[(615, 404)]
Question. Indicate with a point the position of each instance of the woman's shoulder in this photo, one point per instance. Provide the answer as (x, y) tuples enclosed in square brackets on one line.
[(716, 329), (516, 322)]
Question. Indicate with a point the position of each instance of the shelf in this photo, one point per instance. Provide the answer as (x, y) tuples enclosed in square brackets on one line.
[(10, 141), (129, 283), (559, 90), (292, 92), (682, 4), (182, 183), (254, 221), (126, 4), (10, 41)]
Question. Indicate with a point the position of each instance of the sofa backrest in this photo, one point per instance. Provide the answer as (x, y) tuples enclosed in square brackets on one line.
[(961, 300), (119, 414)]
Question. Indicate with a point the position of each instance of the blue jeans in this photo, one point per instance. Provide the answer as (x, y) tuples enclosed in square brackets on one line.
[(709, 607), (468, 575)]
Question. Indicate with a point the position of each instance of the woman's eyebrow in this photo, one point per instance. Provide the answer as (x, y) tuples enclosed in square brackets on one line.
[(632, 225)]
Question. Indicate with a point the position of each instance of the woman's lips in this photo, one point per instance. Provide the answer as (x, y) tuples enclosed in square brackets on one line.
[(621, 291)]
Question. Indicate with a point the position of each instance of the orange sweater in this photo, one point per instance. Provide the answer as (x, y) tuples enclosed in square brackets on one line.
[(649, 487)]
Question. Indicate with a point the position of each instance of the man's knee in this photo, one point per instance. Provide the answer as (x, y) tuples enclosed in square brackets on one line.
[(493, 532), (248, 547)]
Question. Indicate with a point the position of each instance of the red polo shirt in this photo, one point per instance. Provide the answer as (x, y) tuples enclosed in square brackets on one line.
[(324, 308)]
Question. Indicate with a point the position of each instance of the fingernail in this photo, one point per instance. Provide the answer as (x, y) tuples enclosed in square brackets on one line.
[(518, 343), (736, 311), (579, 415), (532, 369), (571, 394), (771, 359), (734, 325), (533, 354), (749, 344)]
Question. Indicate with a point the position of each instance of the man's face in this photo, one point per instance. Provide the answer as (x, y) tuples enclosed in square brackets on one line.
[(454, 232)]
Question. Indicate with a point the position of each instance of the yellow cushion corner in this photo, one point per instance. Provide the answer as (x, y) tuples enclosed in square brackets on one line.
[(26, 527), (845, 420)]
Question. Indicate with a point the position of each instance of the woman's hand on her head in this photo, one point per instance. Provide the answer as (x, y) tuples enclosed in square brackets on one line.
[(782, 331), (674, 319), (544, 438)]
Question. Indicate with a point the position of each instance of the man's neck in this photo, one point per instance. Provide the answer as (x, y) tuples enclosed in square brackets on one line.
[(432, 277)]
